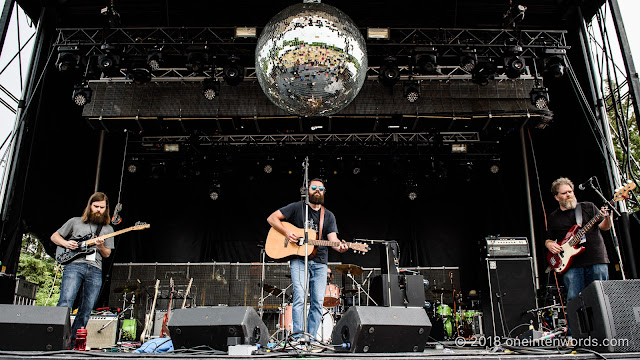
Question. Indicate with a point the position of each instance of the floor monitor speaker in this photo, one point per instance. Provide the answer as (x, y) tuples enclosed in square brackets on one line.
[(217, 327), (605, 316), (381, 329), (36, 328)]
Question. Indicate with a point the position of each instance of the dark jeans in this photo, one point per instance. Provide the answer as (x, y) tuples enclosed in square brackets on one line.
[(75, 277)]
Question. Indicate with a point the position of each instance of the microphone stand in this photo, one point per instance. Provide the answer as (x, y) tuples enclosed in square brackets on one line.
[(614, 237), (305, 198)]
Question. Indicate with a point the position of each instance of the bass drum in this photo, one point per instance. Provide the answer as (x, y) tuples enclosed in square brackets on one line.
[(326, 327)]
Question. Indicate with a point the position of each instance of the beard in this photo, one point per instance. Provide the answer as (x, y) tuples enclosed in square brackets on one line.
[(98, 218), (569, 204), (316, 198)]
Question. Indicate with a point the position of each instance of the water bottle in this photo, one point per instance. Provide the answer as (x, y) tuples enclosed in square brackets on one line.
[(81, 339)]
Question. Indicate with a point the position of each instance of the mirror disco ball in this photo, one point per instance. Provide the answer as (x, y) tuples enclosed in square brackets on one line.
[(311, 60)]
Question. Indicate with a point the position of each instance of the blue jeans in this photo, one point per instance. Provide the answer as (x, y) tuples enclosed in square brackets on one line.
[(317, 285), (578, 278), (75, 277)]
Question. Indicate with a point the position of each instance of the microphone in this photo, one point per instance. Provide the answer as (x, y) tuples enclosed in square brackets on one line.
[(116, 219), (584, 184)]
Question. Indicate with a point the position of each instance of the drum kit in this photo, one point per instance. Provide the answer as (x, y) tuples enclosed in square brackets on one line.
[(451, 323), (336, 301)]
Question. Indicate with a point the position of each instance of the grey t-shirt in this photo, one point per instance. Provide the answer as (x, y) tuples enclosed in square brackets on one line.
[(75, 229)]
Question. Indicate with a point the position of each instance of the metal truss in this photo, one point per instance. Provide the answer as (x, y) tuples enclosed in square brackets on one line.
[(305, 139)]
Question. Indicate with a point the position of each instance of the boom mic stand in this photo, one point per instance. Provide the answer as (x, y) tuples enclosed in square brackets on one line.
[(305, 198), (614, 237)]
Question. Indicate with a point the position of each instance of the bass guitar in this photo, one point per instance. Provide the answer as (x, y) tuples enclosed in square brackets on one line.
[(561, 261), (164, 331), (278, 246), (86, 244)]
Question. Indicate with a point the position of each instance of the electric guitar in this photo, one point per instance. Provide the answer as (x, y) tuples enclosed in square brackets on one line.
[(278, 246), (561, 261), (86, 244), (146, 333)]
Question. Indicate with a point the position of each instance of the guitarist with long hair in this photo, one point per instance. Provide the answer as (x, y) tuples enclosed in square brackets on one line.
[(294, 214), (82, 277), (591, 263)]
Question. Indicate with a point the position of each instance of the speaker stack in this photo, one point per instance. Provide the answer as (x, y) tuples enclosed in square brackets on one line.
[(217, 327), (511, 296), (605, 316), (36, 328)]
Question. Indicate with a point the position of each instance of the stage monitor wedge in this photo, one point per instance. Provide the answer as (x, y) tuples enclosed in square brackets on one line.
[(605, 316), (382, 329), (34, 328), (216, 327)]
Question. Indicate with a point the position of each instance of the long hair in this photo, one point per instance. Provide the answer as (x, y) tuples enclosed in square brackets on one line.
[(99, 196)]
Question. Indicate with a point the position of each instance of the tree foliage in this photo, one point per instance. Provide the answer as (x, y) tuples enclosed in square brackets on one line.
[(37, 267)]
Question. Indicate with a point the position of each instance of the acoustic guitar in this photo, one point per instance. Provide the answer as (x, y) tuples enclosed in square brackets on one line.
[(278, 246)]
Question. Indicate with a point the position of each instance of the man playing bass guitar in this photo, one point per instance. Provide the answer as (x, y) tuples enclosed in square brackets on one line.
[(84, 272), (591, 263)]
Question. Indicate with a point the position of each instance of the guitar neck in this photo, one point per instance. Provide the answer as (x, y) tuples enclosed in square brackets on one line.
[(104, 237), (326, 243), (580, 234)]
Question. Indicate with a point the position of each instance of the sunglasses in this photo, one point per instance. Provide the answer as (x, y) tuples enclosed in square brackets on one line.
[(314, 187)]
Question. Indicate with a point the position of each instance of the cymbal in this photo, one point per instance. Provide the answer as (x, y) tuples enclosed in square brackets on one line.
[(344, 269), (273, 290), (126, 288)]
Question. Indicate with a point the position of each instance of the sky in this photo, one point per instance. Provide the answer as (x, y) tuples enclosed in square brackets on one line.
[(11, 79)]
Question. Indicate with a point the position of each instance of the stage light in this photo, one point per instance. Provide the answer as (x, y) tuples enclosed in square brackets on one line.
[(214, 192), (483, 72), (554, 66), (426, 60), (412, 195), (411, 91), (378, 33), (139, 73), (494, 167), (245, 32), (468, 60), (389, 73), (197, 61), (109, 60), (82, 94), (233, 72), (268, 169), (514, 64), (458, 148), (539, 97), (356, 170), (155, 60), (68, 59), (171, 147), (132, 168), (210, 89)]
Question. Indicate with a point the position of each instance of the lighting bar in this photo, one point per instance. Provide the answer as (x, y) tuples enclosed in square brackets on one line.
[(378, 33)]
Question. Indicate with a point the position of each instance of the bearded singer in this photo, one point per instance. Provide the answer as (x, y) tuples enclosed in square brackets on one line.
[(82, 277)]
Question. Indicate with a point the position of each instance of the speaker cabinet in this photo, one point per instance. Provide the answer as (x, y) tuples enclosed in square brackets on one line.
[(607, 313), (394, 290), (37, 328), (216, 327), (510, 297), (378, 329)]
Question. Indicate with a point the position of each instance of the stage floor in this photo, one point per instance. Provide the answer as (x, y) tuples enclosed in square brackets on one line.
[(447, 352)]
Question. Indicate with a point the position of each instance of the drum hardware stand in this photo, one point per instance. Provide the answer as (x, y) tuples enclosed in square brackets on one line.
[(281, 314), (262, 276), (120, 315), (360, 289)]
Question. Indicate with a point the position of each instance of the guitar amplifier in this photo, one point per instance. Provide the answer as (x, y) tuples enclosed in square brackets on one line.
[(101, 331), (506, 246)]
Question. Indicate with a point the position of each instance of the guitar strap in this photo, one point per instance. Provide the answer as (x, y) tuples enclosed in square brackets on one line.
[(98, 230), (578, 214), (321, 222)]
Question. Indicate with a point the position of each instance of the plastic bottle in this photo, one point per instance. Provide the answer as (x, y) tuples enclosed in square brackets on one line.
[(81, 339)]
